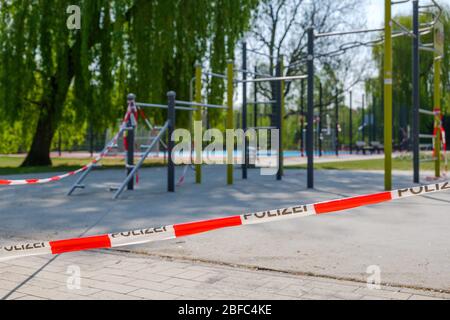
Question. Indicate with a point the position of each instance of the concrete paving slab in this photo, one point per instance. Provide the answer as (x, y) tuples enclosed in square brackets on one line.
[(406, 239)]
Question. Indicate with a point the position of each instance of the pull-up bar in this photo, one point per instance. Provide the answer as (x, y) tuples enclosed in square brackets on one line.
[(342, 33), (400, 2), (287, 78), (162, 106), (261, 102), (405, 30), (254, 73), (198, 104), (217, 75), (261, 54)]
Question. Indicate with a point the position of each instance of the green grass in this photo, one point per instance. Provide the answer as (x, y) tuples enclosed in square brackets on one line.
[(11, 165), (404, 164)]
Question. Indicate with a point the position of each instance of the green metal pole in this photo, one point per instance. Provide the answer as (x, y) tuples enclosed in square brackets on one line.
[(437, 107), (387, 96), (282, 112), (198, 119), (230, 146)]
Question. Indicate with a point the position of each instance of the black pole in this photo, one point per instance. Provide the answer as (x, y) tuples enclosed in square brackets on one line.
[(255, 106), (310, 120), (350, 132), (363, 105), (302, 117), (374, 120), (319, 129), (59, 143), (279, 115), (244, 110), (336, 112), (415, 90), (170, 145), (91, 139), (130, 140)]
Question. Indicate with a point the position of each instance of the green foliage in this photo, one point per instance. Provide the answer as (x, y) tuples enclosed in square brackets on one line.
[(80, 78), (402, 76)]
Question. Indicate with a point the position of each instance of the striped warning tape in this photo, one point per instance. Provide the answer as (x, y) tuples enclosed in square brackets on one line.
[(186, 229), (105, 151)]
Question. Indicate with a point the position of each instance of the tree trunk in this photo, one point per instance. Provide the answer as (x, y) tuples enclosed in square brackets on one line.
[(51, 111), (39, 153)]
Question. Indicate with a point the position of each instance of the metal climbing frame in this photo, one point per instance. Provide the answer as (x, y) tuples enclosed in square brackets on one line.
[(278, 103), (131, 168), (310, 91), (417, 111), (105, 151), (132, 173), (199, 105)]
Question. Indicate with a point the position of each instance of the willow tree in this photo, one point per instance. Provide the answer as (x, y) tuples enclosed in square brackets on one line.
[(143, 46)]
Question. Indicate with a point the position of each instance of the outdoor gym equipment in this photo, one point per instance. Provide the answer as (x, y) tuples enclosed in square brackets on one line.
[(387, 39), (131, 123), (229, 77), (278, 105), (437, 50)]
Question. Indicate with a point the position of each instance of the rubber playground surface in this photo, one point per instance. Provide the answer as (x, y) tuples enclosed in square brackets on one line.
[(405, 238)]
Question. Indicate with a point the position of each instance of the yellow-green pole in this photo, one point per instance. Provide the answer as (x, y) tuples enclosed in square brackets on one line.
[(437, 107), (198, 119), (283, 130), (387, 96), (230, 146)]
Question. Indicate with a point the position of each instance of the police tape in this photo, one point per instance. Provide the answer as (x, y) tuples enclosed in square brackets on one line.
[(104, 152), (141, 236)]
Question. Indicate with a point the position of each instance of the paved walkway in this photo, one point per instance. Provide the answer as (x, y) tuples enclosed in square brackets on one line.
[(406, 239), (119, 275)]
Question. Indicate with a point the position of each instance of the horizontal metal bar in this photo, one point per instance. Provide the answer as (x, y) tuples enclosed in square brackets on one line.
[(262, 128), (162, 106), (290, 78), (253, 73), (399, 2), (429, 49), (196, 104), (427, 160), (426, 136), (405, 29), (425, 31), (341, 33), (261, 102), (260, 53), (428, 112), (217, 75)]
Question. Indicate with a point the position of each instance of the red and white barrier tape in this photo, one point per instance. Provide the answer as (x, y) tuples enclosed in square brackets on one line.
[(186, 229), (72, 173)]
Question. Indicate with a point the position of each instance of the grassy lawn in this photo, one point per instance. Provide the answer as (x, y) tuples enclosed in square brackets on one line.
[(11, 165), (373, 164)]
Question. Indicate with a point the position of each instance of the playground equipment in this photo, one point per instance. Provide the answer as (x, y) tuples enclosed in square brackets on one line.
[(231, 82), (437, 49), (131, 124), (387, 39), (311, 56)]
